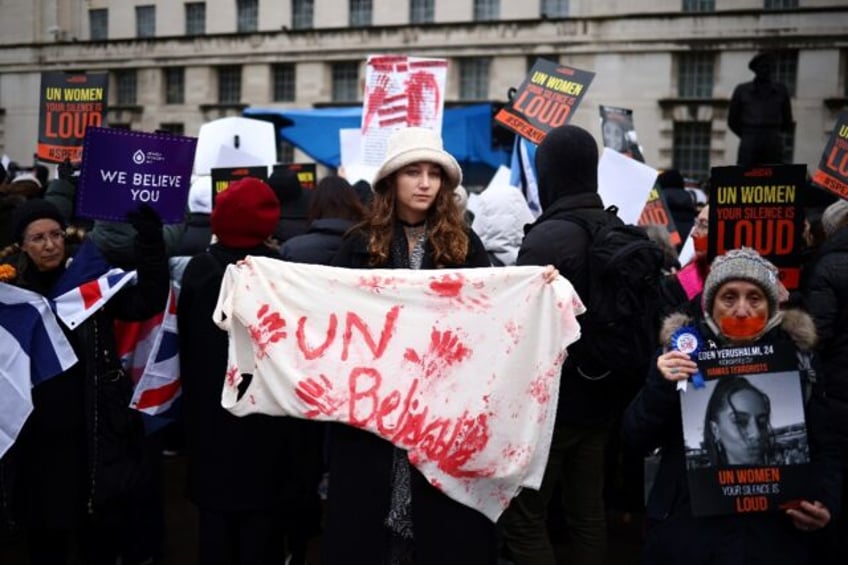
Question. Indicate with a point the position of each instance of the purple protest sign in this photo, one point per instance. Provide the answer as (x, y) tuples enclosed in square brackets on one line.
[(122, 169)]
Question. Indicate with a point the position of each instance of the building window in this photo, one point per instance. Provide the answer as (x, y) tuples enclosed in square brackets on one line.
[(360, 13), (554, 8), (283, 79), (421, 12), (691, 151), (486, 10), (176, 128), (699, 5), (195, 18), (695, 75), (98, 24), (780, 4), (229, 84), (127, 87), (303, 12), (345, 81), (474, 78), (786, 70), (174, 85), (145, 21), (247, 15)]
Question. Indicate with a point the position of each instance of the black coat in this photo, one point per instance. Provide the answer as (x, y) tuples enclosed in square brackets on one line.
[(197, 235), (234, 463), (446, 532), (673, 535), (565, 245), (825, 292), (82, 448), (319, 244)]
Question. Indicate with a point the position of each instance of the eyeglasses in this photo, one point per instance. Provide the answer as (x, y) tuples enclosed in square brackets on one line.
[(41, 238)]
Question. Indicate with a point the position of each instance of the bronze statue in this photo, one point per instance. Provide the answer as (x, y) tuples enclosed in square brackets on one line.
[(759, 112)]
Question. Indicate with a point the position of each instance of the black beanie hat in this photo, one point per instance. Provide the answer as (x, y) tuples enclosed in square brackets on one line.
[(566, 164), (30, 211)]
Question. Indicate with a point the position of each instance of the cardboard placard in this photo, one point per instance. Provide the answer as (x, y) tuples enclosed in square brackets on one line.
[(759, 208), (223, 177), (656, 211), (619, 133), (70, 102), (122, 169), (832, 173), (400, 91), (545, 100), (745, 433)]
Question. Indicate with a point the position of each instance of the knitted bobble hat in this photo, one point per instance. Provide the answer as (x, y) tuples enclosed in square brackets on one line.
[(743, 264)]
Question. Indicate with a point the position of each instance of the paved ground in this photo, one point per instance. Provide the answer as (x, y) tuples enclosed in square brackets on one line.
[(181, 539)]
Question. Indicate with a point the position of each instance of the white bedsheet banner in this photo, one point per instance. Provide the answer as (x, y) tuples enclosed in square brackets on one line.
[(460, 367)]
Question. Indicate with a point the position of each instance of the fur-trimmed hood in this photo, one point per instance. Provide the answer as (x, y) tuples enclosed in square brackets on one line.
[(796, 323)]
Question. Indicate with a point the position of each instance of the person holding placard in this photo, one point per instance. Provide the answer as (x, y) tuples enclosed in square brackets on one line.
[(740, 316), (79, 467)]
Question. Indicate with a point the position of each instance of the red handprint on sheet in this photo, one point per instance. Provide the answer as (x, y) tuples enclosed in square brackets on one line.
[(270, 330), (445, 350), (319, 394)]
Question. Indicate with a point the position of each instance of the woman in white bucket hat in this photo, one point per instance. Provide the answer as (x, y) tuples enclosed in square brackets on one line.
[(380, 508)]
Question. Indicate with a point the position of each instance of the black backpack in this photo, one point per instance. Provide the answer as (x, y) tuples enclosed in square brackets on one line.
[(619, 329)]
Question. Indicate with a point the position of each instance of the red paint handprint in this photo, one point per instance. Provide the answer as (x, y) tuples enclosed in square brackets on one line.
[(318, 393), (445, 350), (270, 330), (375, 99)]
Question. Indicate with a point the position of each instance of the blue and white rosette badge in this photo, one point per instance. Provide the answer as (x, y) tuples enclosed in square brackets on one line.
[(688, 340)]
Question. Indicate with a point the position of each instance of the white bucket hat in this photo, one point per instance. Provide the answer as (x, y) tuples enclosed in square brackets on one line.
[(414, 145)]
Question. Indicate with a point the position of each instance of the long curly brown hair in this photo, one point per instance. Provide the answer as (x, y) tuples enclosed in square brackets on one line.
[(446, 229)]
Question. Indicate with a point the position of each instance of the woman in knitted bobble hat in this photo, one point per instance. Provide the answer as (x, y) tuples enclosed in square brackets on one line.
[(740, 307), (244, 522)]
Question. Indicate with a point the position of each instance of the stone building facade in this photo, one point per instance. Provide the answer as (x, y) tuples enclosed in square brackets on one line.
[(177, 64)]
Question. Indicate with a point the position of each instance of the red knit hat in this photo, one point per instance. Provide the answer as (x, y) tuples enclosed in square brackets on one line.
[(245, 214)]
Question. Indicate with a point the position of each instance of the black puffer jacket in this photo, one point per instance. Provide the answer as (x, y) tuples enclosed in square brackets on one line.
[(825, 294), (319, 244), (552, 240)]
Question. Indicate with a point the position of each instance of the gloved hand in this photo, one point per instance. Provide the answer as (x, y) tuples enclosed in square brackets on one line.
[(147, 223)]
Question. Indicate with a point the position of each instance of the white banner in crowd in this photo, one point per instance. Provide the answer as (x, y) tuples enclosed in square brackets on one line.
[(460, 367), (400, 91), (626, 183)]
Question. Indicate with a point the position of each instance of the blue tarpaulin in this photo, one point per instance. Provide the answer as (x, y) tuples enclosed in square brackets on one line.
[(467, 132)]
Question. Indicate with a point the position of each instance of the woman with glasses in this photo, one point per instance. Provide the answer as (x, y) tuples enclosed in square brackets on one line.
[(70, 478)]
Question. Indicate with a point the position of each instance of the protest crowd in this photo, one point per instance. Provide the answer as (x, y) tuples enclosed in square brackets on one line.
[(575, 365)]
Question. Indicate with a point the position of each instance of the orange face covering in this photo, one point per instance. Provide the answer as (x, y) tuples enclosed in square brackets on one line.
[(742, 328), (700, 243)]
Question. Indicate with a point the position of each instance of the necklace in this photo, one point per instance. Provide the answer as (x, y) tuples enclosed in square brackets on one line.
[(414, 231)]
